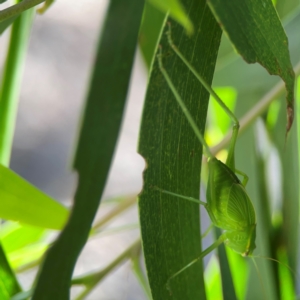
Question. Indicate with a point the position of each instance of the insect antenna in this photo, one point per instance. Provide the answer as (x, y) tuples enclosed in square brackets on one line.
[(279, 262), (260, 278), (295, 274)]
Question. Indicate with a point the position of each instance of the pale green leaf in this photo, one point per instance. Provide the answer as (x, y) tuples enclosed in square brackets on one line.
[(22, 202), (15, 236), (27, 255)]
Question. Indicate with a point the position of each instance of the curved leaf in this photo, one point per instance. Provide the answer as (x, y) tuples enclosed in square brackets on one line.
[(255, 30)]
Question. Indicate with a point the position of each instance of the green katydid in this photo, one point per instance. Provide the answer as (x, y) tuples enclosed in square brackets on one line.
[(228, 203)]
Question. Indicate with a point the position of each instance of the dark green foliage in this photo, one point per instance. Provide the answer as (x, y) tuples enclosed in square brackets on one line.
[(170, 227)]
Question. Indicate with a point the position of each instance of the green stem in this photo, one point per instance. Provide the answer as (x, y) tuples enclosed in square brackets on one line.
[(91, 280), (122, 206), (137, 268), (11, 82), (18, 9), (128, 202)]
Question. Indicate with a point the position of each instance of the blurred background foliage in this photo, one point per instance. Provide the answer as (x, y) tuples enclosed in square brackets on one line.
[(270, 161)]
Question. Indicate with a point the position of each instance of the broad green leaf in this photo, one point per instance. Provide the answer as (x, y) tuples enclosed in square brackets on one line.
[(173, 155), (256, 32), (97, 141), (176, 11), (23, 202)]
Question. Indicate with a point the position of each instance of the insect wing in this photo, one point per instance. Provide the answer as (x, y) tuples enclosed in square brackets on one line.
[(220, 182), (240, 207)]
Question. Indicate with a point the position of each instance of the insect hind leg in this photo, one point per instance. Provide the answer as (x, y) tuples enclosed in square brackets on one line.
[(219, 241), (182, 196), (236, 124), (245, 179)]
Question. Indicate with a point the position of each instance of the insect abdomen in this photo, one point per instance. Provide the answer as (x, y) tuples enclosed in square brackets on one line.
[(229, 205)]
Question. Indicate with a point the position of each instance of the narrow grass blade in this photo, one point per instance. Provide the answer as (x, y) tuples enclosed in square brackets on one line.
[(9, 94), (11, 82), (99, 132)]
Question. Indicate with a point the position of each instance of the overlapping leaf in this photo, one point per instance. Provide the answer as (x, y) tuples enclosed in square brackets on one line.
[(22, 202), (256, 32)]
